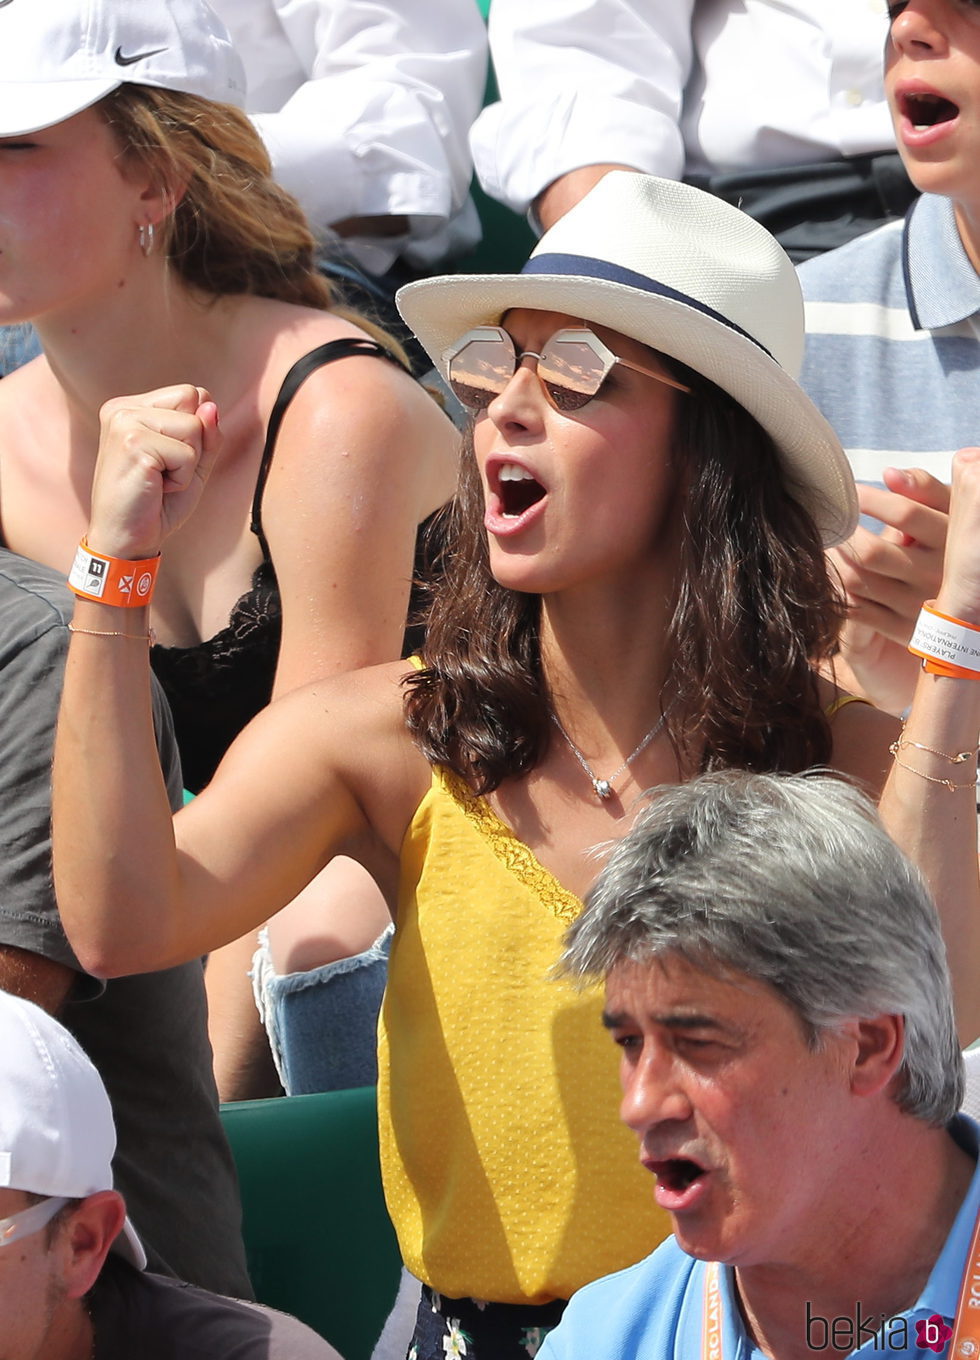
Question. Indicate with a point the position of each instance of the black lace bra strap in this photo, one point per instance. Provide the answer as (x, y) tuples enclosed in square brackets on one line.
[(294, 379)]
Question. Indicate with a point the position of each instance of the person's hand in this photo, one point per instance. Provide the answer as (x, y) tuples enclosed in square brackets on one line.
[(959, 593), (563, 193), (885, 578), (155, 453)]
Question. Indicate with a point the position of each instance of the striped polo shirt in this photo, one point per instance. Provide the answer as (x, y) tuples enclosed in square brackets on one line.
[(893, 343)]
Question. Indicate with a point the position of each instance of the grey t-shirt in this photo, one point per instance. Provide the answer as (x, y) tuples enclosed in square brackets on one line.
[(153, 1317), (147, 1035)]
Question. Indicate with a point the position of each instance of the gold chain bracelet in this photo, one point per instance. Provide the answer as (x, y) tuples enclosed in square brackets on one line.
[(902, 743), (100, 632), (933, 779)]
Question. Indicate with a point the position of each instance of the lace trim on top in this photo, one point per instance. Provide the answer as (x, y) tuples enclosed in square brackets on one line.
[(519, 858), (256, 612), (215, 687)]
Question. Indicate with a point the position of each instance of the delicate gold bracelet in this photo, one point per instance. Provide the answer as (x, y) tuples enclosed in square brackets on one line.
[(98, 632), (902, 743), (946, 783)]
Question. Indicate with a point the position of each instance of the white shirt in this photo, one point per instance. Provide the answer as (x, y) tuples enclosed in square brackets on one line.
[(365, 106), (678, 86)]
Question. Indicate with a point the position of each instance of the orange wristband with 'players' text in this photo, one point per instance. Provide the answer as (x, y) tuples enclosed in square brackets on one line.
[(947, 646)]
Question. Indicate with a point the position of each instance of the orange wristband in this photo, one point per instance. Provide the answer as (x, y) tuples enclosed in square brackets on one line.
[(934, 667), (112, 580), (946, 645)]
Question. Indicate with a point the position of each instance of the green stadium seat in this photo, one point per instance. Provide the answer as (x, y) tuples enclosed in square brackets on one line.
[(318, 1238)]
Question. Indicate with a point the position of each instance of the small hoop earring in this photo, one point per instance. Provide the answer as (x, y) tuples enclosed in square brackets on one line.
[(146, 232)]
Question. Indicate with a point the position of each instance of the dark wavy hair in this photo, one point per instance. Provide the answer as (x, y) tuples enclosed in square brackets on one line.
[(754, 610)]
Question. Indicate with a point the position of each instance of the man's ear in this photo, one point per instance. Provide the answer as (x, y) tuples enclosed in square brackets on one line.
[(85, 1238), (878, 1049)]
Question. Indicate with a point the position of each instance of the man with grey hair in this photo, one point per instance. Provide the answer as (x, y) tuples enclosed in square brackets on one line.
[(777, 984)]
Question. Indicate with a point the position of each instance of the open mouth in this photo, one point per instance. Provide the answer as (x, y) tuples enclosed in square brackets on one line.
[(928, 110), (677, 1174), (518, 490)]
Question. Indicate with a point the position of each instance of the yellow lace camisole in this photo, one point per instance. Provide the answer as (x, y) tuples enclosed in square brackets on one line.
[(507, 1172)]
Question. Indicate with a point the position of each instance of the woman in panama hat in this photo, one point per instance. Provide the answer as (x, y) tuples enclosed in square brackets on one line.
[(635, 590)]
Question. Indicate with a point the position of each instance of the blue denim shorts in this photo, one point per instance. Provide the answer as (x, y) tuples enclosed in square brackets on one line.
[(323, 1024)]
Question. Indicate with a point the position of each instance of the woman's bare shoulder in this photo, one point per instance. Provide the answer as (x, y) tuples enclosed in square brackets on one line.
[(287, 331), (349, 727), (34, 433), (375, 693), (25, 386), (363, 407), (291, 332), (370, 700)]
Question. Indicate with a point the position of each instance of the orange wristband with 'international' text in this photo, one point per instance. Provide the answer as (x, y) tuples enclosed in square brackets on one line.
[(947, 646)]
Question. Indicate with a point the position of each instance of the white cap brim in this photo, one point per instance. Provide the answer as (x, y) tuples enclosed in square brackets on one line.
[(31, 107)]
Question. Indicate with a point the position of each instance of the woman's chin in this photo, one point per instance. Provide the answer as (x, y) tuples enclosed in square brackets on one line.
[(511, 577), (528, 572)]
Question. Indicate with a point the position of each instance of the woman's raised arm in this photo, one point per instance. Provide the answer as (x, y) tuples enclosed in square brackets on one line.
[(133, 894), (138, 890), (929, 803)]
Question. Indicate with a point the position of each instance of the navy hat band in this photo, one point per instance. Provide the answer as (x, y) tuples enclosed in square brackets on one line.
[(585, 266)]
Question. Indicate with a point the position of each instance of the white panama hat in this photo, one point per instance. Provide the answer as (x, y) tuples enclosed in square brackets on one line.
[(57, 1134), (58, 57), (689, 275)]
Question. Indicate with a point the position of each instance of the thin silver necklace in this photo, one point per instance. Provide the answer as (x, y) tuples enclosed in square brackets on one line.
[(604, 787)]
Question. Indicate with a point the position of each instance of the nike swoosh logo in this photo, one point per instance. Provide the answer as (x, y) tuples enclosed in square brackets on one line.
[(120, 59), (4, 3)]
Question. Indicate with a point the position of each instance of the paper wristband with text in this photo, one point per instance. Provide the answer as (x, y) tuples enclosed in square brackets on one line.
[(946, 645), (112, 580)]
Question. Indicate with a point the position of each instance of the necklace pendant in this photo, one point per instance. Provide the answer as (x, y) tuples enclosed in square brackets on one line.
[(603, 789)]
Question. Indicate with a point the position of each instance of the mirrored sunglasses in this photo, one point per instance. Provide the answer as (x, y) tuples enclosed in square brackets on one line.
[(571, 367), (28, 1221)]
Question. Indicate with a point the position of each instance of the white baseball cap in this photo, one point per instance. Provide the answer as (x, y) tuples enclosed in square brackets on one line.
[(57, 1135), (58, 57)]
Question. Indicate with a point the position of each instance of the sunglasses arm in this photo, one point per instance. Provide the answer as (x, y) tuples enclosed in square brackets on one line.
[(660, 377)]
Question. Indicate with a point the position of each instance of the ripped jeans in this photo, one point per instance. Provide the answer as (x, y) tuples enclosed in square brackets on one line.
[(323, 1024)]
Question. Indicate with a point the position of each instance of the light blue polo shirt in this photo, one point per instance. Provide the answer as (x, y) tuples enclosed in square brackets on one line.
[(655, 1310), (893, 343)]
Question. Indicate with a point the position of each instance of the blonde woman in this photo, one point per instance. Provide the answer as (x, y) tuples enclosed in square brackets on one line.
[(142, 234)]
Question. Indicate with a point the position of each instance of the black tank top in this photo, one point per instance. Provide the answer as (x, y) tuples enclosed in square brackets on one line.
[(217, 686)]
